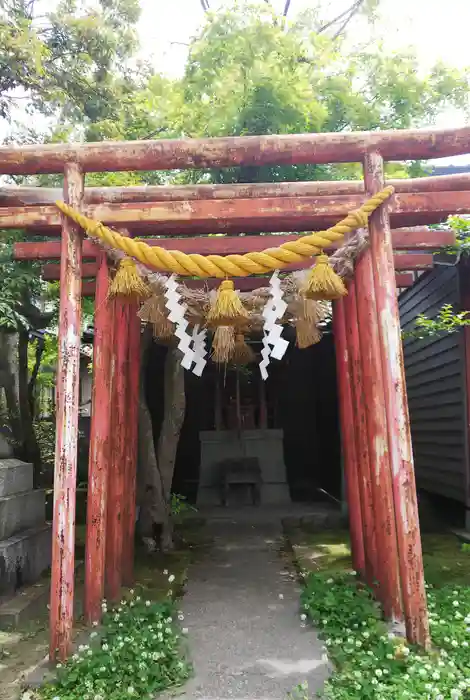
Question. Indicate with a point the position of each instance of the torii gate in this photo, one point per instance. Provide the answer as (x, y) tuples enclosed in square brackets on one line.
[(375, 429)]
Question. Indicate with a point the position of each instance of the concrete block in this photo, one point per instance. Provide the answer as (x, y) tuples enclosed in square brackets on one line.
[(24, 557), (15, 477), (21, 511), (26, 606)]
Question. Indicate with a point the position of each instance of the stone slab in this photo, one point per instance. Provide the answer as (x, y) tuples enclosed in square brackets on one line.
[(15, 477), (265, 445), (24, 557), (26, 606), (21, 511)]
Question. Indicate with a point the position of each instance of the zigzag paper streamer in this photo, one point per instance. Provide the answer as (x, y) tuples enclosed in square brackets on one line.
[(273, 344), (176, 315), (200, 352)]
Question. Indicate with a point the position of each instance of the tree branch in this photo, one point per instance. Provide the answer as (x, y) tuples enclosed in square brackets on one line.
[(348, 13), (286, 8)]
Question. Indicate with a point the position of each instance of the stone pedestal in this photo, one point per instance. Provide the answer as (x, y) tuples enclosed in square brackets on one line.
[(265, 445), (25, 538)]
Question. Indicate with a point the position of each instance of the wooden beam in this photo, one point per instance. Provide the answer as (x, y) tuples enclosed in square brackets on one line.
[(131, 445), (403, 239), (410, 556), (412, 261), (242, 284), (387, 572), (117, 471), (404, 280), (348, 439), (242, 215), (13, 196), (100, 442), (360, 434), (167, 154), (67, 402)]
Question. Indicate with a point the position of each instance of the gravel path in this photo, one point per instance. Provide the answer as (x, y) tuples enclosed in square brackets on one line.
[(242, 611)]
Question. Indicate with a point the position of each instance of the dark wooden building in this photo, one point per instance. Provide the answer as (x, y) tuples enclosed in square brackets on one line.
[(438, 382)]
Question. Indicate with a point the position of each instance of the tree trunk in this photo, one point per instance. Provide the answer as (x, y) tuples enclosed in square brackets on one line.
[(31, 451), (174, 410), (155, 475), (9, 382)]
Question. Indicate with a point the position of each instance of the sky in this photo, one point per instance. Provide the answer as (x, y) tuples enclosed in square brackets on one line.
[(436, 29)]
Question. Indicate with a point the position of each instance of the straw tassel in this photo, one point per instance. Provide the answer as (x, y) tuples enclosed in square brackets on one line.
[(242, 353), (153, 311), (227, 309), (323, 282), (307, 331), (223, 344), (127, 281)]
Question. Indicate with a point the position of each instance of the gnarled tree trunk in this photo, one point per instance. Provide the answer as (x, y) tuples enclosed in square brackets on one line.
[(155, 468)]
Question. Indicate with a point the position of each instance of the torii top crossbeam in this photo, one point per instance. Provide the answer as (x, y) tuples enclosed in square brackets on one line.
[(226, 152)]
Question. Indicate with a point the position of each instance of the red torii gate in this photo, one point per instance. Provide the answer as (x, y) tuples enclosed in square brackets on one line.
[(374, 416)]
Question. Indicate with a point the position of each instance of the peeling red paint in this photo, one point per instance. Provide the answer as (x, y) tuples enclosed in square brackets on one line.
[(99, 457), (396, 406), (360, 426), (131, 445), (167, 154), (348, 439), (381, 477), (63, 533)]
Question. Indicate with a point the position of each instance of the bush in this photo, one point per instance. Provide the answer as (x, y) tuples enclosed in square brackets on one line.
[(136, 654), (373, 664)]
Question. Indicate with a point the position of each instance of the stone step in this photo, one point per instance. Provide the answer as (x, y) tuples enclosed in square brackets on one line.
[(24, 557), (28, 605), (21, 511), (15, 477)]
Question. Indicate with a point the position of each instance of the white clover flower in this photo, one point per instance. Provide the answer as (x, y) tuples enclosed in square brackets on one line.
[(167, 630), (138, 598), (130, 690), (90, 652), (93, 635), (105, 647), (171, 578), (185, 630), (148, 603), (59, 666), (56, 698), (455, 643), (378, 672), (281, 596), (303, 617), (330, 580), (374, 681), (131, 591), (95, 623), (358, 643)]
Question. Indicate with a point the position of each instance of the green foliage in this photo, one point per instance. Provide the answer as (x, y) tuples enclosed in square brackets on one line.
[(372, 663), (136, 654), (179, 505), (446, 321), (71, 59)]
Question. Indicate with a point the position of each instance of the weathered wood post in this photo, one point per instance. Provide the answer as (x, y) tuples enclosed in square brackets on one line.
[(396, 406), (348, 437), (67, 406), (100, 443), (360, 427), (381, 480), (117, 471), (132, 438)]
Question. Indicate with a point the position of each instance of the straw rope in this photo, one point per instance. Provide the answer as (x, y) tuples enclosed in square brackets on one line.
[(195, 265)]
